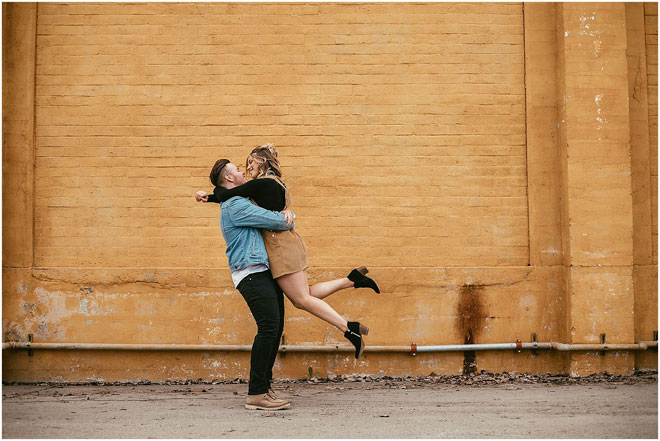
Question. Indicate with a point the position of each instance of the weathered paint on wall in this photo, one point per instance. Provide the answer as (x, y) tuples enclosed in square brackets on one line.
[(491, 175), (200, 308)]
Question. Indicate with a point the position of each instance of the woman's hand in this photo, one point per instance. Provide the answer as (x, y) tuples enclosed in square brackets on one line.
[(289, 216), (201, 196)]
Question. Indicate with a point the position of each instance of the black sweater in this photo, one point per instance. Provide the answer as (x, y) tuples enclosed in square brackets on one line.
[(265, 192)]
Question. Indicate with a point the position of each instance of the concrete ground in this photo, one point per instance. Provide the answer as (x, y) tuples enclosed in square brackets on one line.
[(395, 409)]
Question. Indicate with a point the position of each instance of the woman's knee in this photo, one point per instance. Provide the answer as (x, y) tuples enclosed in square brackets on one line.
[(296, 288), (300, 302)]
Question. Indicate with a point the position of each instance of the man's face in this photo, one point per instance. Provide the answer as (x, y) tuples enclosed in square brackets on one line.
[(234, 175)]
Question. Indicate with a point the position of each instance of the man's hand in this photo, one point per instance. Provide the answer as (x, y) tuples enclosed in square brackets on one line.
[(289, 216), (201, 196)]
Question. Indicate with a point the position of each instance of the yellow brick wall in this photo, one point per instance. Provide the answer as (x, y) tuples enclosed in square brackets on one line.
[(400, 128), (646, 278), (651, 28), (412, 137)]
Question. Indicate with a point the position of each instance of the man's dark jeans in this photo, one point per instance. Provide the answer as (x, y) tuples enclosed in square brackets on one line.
[(266, 302)]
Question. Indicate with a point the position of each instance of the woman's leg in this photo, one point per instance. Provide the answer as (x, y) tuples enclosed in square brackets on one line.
[(324, 289), (296, 288), (356, 279)]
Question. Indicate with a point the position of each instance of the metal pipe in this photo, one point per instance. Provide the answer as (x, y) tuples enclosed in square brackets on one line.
[(337, 348), (412, 349), (472, 347), (641, 346), (184, 347), (125, 347)]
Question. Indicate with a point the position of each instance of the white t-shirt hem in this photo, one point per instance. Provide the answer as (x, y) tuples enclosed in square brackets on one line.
[(241, 274)]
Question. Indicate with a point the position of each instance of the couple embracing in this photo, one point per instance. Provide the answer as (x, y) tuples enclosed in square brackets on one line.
[(267, 260)]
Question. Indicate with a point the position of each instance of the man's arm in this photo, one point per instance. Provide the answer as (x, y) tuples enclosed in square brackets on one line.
[(243, 213)]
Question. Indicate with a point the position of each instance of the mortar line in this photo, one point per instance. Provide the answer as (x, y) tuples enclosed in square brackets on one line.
[(409, 267), (34, 134), (529, 234)]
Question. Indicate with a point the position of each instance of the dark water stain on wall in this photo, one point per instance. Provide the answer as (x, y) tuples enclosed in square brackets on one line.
[(470, 321)]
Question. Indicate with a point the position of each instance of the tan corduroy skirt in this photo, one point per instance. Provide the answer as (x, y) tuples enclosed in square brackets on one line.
[(286, 252)]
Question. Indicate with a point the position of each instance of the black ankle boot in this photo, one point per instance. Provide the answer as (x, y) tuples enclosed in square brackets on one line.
[(357, 276), (354, 335)]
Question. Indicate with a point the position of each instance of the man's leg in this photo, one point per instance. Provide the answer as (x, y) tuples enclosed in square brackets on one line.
[(276, 346), (260, 293)]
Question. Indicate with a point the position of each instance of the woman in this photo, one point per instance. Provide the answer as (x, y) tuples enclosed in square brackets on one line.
[(286, 250)]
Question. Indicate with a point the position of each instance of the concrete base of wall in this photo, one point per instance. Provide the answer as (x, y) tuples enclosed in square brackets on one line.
[(199, 307), (92, 366)]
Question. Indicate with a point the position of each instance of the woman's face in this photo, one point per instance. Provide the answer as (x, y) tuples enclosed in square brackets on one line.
[(252, 167)]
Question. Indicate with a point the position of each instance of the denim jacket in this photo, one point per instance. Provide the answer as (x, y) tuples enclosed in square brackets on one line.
[(240, 220)]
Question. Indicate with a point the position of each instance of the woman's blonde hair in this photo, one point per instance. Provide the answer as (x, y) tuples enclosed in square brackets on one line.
[(266, 158), (268, 166)]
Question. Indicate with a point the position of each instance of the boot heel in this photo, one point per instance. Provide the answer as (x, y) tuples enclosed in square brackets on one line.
[(363, 270), (354, 334)]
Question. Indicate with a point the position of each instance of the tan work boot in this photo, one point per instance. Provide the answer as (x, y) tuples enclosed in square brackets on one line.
[(274, 396), (265, 402)]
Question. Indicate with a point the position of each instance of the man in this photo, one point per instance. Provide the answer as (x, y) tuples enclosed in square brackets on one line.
[(248, 262)]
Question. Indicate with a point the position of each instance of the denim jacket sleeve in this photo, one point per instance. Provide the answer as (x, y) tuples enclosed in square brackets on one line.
[(243, 213)]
